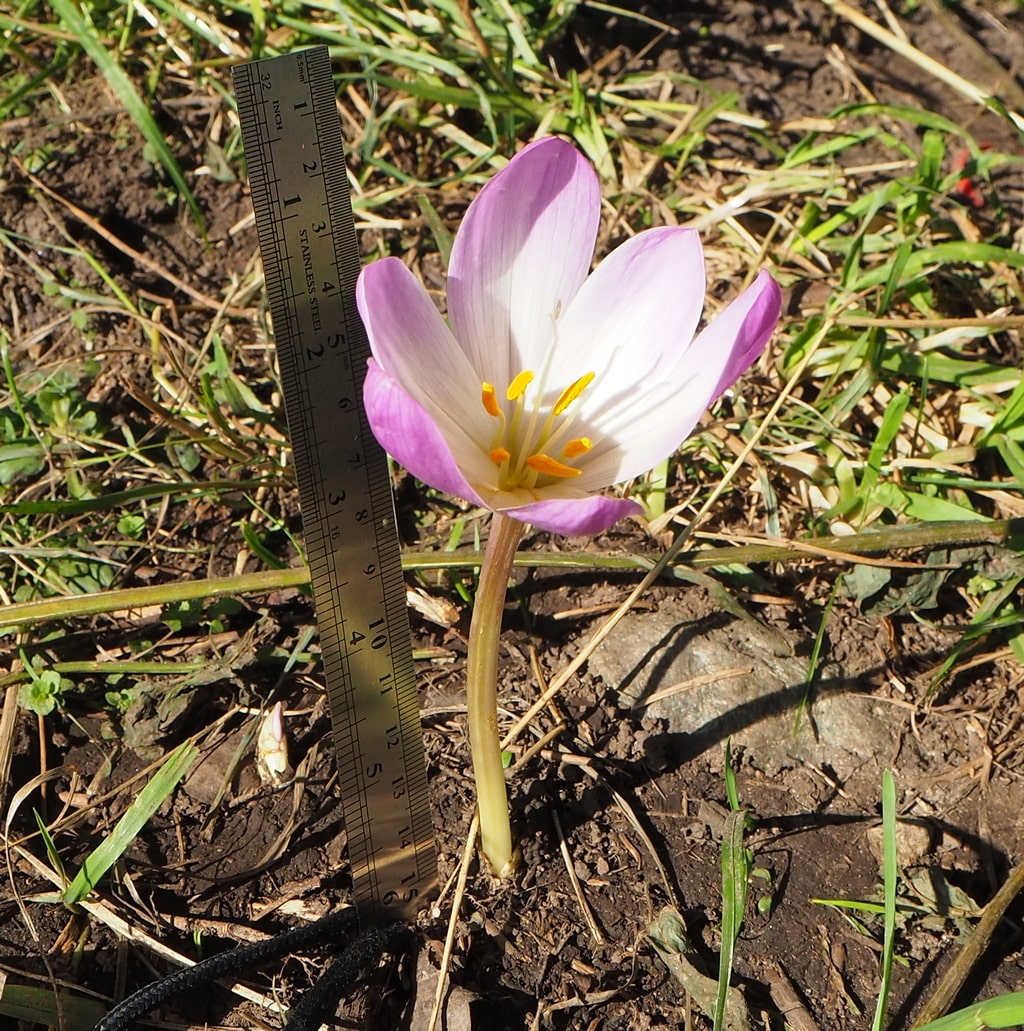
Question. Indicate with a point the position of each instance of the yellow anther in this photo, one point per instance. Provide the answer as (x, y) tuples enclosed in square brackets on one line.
[(576, 447), (518, 386), (572, 392), (551, 467), (489, 401), (528, 442)]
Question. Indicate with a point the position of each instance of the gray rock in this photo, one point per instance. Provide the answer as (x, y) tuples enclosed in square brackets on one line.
[(456, 1014), (735, 677)]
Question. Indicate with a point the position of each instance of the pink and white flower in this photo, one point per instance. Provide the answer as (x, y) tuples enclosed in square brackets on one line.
[(553, 382)]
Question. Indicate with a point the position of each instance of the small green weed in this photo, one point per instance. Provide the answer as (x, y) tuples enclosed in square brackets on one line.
[(45, 689)]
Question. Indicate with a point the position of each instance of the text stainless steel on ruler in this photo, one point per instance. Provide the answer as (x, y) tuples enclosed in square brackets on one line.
[(293, 147)]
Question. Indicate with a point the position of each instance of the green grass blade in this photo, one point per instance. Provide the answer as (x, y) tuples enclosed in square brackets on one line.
[(983, 621), (48, 843), (899, 263), (41, 1006), (732, 791), (953, 252), (735, 870), (927, 509), (866, 906), (913, 115), (656, 490), (122, 498), (890, 876), (443, 236), (1013, 455), (74, 21), (1001, 1012), (892, 421), (113, 668), (1010, 418), (814, 664), (149, 799)]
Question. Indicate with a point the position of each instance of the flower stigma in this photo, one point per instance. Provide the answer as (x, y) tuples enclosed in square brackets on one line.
[(527, 445)]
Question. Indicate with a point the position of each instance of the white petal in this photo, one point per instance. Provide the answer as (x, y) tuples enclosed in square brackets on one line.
[(412, 344), (649, 425), (631, 324), (634, 315), (520, 255)]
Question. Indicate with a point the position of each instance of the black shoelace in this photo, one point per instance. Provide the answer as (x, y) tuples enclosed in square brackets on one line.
[(318, 1003)]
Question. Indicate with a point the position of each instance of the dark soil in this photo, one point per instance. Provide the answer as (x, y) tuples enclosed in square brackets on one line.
[(230, 860)]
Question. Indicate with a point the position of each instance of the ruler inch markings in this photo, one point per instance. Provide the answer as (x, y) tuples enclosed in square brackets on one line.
[(300, 193)]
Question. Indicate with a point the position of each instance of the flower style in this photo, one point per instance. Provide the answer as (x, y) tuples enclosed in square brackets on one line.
[(552, 382)]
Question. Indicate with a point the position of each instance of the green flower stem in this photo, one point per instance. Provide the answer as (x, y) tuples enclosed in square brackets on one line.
[(482, 691)]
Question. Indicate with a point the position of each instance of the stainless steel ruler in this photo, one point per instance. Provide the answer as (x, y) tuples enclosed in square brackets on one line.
[(300, 193)]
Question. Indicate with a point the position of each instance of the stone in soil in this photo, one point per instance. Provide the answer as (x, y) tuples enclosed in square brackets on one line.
[(745, 683)]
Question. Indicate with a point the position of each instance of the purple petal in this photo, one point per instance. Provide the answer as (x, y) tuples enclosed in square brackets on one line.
[(411, 436), (521, 253), (412, 344), (576, 517), (748, 323)]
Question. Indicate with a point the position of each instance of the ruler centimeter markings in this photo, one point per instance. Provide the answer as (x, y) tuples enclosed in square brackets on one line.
[(300, 193)]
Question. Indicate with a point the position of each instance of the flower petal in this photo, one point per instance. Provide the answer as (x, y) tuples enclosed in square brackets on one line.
[(410, 434), (748, 321), (577, 517), (520, 255), (630, 324), (634, 316), (642, 427), (412, 344)]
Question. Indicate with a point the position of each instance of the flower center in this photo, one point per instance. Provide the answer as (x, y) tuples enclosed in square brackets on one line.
[(530, 445)]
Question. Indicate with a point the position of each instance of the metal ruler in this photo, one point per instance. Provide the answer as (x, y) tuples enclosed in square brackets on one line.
[(300, 193)]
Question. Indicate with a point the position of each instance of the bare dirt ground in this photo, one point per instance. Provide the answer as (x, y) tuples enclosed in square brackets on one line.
[(250, 861)]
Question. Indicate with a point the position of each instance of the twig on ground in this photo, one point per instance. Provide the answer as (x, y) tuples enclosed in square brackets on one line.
[(581, 899), (8, 725), (923, 535), (786, 999), (453, 921), (691, 684), (943, 996)]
